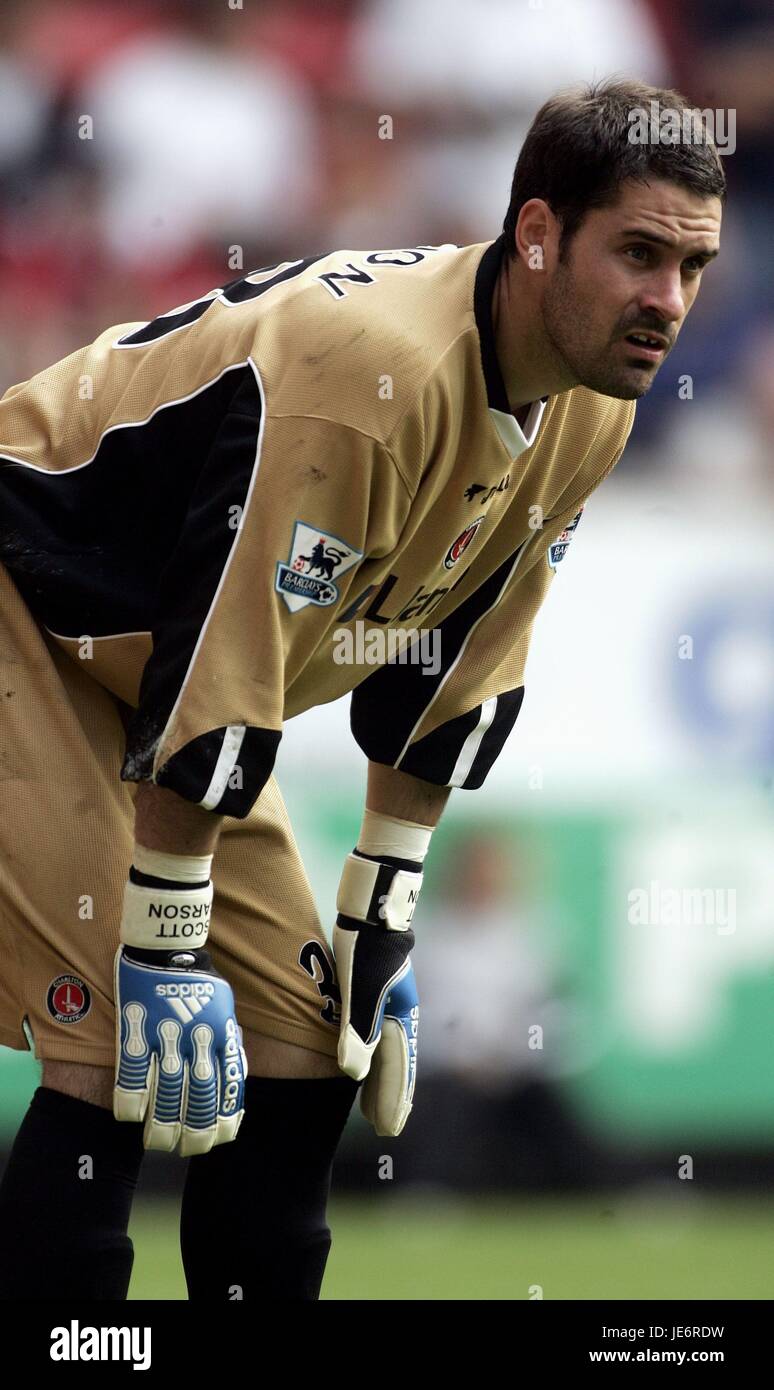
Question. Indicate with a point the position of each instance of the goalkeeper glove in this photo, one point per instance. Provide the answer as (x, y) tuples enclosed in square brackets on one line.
[(372, 941), (180, 1064)]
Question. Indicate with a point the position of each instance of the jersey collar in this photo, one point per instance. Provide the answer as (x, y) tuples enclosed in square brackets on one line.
[(515, 439)]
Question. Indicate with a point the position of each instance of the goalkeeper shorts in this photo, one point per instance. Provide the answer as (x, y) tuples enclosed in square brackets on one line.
[(66, 839)]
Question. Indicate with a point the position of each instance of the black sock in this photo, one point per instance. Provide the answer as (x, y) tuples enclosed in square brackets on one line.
[(63, 1232), (253, 1219)]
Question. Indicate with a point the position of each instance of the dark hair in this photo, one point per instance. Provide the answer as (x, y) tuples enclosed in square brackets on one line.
[(578, 151)]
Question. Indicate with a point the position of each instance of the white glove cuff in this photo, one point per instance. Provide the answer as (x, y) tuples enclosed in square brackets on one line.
[(162, 919)]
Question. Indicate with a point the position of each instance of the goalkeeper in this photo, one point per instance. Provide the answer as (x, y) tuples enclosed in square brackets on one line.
[(192, 511)]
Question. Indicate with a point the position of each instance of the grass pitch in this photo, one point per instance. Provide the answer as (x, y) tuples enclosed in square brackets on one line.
[(635, 1246)]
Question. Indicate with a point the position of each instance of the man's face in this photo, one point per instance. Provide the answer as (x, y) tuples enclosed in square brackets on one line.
[(633, 268)]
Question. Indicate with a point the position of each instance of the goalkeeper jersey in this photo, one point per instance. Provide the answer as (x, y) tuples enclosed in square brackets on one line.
[(306, 483)]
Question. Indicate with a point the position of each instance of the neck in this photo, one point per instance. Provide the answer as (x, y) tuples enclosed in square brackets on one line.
[(530, 366)]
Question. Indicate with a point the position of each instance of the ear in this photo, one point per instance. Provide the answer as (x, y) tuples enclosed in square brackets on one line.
[(537, 235)]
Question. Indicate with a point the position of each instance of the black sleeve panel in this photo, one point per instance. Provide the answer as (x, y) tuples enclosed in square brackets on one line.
[(388, 706), (190, 772), (434, 757)]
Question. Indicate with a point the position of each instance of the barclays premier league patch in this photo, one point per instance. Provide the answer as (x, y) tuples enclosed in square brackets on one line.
[(558, 550), (315, 561)]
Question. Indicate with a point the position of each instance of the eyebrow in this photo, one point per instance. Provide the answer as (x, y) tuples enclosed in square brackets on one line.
[(642, 235)]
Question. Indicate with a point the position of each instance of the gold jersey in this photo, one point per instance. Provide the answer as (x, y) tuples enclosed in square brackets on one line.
[(307, 483)]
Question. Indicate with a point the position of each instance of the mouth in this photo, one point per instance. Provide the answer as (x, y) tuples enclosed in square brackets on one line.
[(650, 346)]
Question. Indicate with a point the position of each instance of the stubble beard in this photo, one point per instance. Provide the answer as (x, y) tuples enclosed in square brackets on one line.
[(568, 326)]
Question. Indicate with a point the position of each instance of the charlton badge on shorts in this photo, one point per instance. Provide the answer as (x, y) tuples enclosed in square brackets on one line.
[(458, 547), (68, 999)]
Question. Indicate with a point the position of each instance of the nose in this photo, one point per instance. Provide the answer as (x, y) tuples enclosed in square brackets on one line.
[(663, 297)]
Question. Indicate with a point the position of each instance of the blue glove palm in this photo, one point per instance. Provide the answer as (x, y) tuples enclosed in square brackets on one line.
[(180, 1064)]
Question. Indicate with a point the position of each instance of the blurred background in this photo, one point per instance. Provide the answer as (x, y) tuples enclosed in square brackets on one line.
[(595, 1107)]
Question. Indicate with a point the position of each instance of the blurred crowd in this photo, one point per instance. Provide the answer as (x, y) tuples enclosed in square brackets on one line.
[(153, 149)]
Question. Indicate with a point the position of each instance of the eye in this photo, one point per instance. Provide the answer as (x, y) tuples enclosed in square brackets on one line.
[(694, 264), (640, 253)]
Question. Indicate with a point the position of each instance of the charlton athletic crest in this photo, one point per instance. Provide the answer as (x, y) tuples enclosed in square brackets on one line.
[(457, 548), (316, 559), (68, 999), (558, 550)]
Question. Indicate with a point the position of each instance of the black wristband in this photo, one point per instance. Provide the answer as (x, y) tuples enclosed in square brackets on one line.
[(412, 865), (171, 884), (164, 958)]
